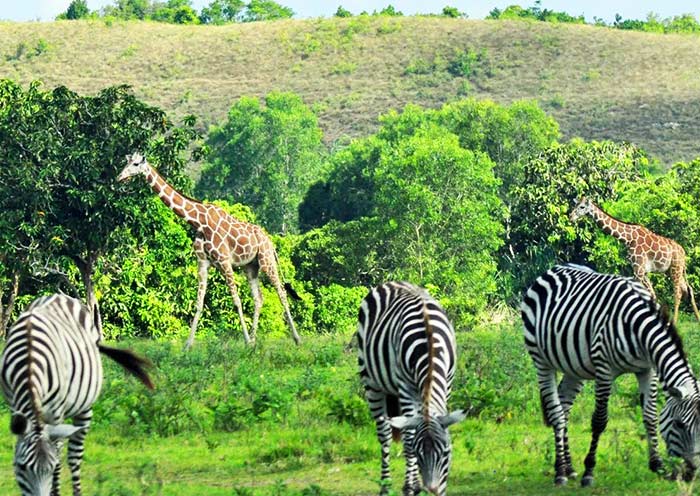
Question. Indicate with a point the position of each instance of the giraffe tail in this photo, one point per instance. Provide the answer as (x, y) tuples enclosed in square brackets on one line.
[(291, 291)]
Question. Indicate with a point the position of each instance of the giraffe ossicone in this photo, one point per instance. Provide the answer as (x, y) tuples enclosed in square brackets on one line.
[(221, 240), (647, 251)]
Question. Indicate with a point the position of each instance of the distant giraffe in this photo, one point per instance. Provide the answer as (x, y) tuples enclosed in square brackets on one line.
[(648, 252), (222, 240)]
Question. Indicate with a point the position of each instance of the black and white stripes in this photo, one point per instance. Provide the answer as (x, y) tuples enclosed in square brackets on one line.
[(51, 371), (407, 363), (592, 326)]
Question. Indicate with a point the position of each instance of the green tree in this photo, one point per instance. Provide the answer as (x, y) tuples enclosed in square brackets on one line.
[(429, 189), (77, 9), (75, 147), (175, 12), (453, 12), (128, 9), (222, 12), (347, 193), (342, 12), (266, 10), (541, 233), (265, 156)]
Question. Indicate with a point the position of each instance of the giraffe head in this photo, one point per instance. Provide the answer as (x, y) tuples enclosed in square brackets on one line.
[(583, 207), (135, 164)]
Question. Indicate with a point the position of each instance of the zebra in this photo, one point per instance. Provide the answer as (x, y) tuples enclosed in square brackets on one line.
[(406, 356), (593, 326), (50, 370)]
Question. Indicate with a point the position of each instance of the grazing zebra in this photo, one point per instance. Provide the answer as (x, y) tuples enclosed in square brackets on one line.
[(407, 358), (592, 326), (51, 370)]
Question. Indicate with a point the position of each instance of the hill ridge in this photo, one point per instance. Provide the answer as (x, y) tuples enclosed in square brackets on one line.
[(599, 83)]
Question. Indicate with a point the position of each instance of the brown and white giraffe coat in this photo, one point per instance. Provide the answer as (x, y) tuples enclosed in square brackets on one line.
[(647, 251), (223, 240)]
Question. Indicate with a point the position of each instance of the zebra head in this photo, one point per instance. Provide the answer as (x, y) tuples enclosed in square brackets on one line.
[(583, 207), (135, 164), (37, 453), (431, 445), (680, 423)]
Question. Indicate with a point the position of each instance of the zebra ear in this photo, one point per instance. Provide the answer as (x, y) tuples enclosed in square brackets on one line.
[(684, 390), (452, 418), (404, 422), (62, 431), (18, 424)]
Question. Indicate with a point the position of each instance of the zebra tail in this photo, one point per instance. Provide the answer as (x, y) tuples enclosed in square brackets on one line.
[(131, 362), (396, 434), (291, 291)]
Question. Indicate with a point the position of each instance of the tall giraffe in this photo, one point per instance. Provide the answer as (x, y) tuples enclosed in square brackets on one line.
[(222, 240), (647, 251)]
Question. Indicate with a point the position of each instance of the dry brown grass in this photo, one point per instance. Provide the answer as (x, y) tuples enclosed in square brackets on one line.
[(598, 83)]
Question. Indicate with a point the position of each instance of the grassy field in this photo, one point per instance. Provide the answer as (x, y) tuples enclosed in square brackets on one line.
[(597, 82), (281, 420)]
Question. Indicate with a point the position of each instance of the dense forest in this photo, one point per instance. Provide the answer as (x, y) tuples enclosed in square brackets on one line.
[(470, 200)]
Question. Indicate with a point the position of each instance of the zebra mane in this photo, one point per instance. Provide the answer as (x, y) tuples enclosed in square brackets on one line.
[(676, 340), (427, 385), (36, 408)]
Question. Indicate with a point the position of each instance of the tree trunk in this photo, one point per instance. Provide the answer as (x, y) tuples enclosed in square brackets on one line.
[(7, 308), (87, 270)]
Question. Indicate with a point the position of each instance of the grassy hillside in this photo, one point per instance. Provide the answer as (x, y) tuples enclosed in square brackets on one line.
[(598, 83)]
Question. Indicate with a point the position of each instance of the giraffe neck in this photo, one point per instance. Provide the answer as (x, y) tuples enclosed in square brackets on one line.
[(175, 201), (610, 225)]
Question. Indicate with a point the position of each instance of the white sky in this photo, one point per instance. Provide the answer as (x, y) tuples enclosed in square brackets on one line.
[(46, 10)]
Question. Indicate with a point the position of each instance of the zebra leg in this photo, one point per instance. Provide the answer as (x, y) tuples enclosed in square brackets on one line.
[(598, 425), (648, 387), (56, 483), (378, 409), (76, 448), (569, 387), (554, 417), (411, 486)]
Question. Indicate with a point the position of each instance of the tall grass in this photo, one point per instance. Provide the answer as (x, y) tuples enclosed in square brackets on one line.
[(284, 420)]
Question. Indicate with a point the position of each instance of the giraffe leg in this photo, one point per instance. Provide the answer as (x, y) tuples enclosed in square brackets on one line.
[(202, 274), (692, 299), (271, 271), (641, 276), (251, 272), (228, 274)]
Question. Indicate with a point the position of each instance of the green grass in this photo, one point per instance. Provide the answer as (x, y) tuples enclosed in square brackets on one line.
[(281, 420), (597, 82)]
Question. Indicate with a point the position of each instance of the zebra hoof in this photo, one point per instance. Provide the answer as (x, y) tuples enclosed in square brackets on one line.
[(560, 480), (656, 465), (587, 481)]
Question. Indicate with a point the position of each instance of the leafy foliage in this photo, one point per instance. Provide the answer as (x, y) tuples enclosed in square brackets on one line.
[(541, 233), (70, 149), (265, 157)]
